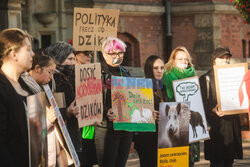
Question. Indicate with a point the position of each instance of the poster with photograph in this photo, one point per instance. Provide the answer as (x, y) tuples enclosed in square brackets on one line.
[(228, 80), (89, 93), (62, 127), (188, 89), (133, 104), (92, 26), (173, 136), (36, 105)]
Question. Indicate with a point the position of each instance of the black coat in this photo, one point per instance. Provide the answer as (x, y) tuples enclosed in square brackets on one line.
[(146, 142), (107, 72), (14, 149), (65, 82), (225, 132)]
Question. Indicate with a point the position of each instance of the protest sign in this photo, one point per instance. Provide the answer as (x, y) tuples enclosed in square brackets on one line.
[(173, 149), (89, 93), (188, 89), (132, 103), (92, 26), (228, 80), (36, 105), (62, 126)]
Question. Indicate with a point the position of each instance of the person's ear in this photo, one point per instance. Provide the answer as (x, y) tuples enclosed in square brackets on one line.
[(13, 55), (37, 68)]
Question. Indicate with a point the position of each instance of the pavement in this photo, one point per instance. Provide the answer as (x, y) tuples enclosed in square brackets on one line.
[(133, 160)]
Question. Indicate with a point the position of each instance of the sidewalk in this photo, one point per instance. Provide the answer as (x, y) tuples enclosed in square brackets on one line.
[(133, 160)]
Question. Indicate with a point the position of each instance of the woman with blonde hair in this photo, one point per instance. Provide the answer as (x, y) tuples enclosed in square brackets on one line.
[(16, 57), (178, 67)]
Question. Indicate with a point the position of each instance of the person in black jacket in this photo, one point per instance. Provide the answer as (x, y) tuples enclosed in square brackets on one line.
[(112, 146), (15, 58), (146, 142), (64, 78), (225, 142)]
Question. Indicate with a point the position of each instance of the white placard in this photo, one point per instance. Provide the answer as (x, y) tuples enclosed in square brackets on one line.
[(188, 89)]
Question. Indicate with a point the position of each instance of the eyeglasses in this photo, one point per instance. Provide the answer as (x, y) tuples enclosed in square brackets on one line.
[(88, 53), (114, 54), (180, 59)]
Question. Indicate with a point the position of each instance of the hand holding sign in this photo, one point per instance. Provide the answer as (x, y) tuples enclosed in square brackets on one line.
[(73, 109), (187, 89)]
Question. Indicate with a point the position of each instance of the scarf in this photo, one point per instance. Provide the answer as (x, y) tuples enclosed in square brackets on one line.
[(175, 74)]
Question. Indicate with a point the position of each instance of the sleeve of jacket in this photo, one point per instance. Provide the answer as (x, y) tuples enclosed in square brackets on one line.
[(5, 156), (203, 87)]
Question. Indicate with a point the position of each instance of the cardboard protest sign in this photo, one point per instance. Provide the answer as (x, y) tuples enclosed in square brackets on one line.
[(132, 103), (228, 80), (36, 105), (173, 149), (62, 126), (92, 26), (89, 93), (188, 89)]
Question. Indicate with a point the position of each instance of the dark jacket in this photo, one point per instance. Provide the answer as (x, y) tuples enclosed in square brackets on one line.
[(65, 82), (14, 149), (107, 72), (147, 149), (225, 132)]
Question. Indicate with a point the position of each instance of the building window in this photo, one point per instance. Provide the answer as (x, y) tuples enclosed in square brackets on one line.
[(46, 41), (244, 48)]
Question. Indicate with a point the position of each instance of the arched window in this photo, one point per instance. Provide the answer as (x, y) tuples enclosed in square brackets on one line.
[(132, 55)]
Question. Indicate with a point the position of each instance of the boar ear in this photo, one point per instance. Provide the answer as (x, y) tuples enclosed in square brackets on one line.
[(178, 108), (167, 109)]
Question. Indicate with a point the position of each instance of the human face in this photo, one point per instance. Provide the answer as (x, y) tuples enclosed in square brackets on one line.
[(46, 74), (225, 59), (158, 69), (24, 56), (84, 57), (114, 58), (181, 60), (70, 60)]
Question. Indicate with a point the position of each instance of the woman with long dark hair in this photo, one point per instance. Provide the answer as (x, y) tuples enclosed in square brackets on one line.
[(146, 142)]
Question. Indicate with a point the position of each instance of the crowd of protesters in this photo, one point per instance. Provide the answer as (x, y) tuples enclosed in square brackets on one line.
[(24, 72)]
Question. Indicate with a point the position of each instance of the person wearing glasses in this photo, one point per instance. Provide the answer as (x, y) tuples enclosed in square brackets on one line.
[(225, 143), (112, 146), (88, 143), (64, 81), (41, 72), (180, 66), (83, 57)]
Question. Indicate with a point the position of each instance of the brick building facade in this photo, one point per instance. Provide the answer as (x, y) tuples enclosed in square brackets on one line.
[(200, 25)]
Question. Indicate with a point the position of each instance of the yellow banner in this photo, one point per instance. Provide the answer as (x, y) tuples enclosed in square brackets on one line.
[(173, 157)]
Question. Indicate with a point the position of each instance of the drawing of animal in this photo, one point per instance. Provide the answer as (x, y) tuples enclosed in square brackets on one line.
[(136, 117), (196, 120), (147, 114)]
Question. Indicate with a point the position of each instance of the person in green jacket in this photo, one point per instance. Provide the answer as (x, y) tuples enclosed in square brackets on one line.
[(178, 67)]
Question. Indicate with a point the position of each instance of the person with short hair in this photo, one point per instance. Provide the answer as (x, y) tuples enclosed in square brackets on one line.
[(16, 57), (112, 146), (225, 143)]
